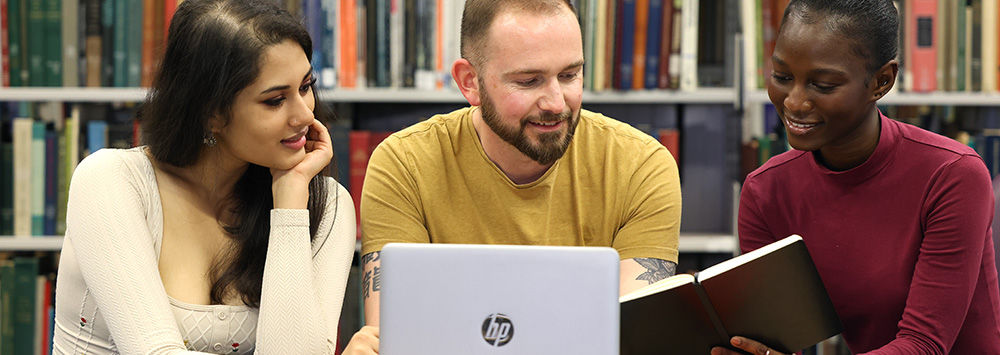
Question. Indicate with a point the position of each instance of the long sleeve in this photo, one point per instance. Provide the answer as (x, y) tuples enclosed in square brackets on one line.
[(107, 233), (303, 285), (959, 212)]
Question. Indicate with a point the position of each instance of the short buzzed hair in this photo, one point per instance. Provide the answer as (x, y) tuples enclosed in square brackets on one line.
[(478, 17)]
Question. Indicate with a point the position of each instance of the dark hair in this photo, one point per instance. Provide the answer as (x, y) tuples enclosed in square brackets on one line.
[(214, 50), (478, 16), (872, 24)]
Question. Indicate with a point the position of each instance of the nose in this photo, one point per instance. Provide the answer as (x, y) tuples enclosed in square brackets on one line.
[(302, 112), (798, 100), (552, 98)]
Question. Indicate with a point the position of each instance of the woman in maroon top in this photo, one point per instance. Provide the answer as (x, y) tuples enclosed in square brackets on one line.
[(897, 219)]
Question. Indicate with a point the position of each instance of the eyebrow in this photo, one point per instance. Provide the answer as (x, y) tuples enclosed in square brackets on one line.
[(539, 71), (814, 71), (285, 87)]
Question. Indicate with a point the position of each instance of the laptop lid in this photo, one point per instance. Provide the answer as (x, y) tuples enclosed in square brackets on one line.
[(498, 299)]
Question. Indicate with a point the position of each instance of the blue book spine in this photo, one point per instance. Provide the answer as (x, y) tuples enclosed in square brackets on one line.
[(991, 154), (653, 39), (51, 164), (120, 43), (97, 136), (627, 43)]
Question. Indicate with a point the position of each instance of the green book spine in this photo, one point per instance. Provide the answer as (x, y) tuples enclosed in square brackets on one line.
[(36, 43), (6, 188), (62, 177), (6, 307), (120, 42), (52, 20), (16, 49), (38, 178), (133, 43), (23, 302)]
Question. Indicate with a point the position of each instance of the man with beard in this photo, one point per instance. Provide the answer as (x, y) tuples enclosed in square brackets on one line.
[(525, 164)]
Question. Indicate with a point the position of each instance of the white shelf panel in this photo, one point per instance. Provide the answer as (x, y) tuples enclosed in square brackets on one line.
[(689, 243), (34, 243), (943, 98), (708, 243), (367, 95)]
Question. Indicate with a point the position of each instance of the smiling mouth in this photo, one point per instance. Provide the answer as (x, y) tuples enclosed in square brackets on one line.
[(801, 125), (547, 124)]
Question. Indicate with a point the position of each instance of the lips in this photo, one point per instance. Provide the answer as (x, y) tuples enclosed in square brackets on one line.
[(297, 141), (797, 127)]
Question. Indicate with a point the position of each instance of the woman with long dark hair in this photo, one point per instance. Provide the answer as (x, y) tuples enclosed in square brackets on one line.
[(223, 233)]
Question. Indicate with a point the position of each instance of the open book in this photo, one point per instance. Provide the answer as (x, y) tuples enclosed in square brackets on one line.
[(773, 295)]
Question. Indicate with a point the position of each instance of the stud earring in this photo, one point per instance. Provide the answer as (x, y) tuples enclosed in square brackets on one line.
[(209, 139)]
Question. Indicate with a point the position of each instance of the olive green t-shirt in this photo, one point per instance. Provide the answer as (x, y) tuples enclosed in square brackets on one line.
[(433, 183)]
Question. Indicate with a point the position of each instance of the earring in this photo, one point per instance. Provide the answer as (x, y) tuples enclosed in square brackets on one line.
[(209, 139)]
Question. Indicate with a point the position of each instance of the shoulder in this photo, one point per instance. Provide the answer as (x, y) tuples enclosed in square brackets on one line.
[(778, 163), (919, 138), (107, 165), (434, 126), (598, 126)]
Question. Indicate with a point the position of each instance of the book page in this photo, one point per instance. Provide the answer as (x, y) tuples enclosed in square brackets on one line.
[(743, 259), (665, 284)]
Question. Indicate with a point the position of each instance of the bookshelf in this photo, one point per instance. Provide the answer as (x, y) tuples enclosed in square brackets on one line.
[(34, 243), (894, 98), (375, 95)]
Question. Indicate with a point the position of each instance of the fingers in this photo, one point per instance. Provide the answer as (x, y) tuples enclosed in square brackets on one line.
[(723, 351), (364, 342), (753, 346)]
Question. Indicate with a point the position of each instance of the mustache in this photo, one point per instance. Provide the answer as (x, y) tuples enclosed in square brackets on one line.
[(547, 117)]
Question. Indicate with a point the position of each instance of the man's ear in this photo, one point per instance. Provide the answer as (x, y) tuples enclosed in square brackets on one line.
[(884, 79), (467, 80)]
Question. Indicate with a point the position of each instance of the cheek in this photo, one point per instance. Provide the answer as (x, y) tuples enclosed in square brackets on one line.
[(776, 94)]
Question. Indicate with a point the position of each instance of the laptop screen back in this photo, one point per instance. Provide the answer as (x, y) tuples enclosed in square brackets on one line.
[(498, 299)]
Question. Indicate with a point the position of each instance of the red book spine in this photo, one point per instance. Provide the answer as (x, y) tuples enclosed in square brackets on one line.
[(4, 45), (922, 42), (671, 139), (169, 7), (666, 35), (359, 147)]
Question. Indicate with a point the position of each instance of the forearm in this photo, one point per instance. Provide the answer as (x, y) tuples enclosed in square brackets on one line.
[(288, 320), (371, 286)]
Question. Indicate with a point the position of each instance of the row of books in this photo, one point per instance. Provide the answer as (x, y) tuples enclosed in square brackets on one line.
[(37, 159), (945, 45), (629, 44), (27, 307)]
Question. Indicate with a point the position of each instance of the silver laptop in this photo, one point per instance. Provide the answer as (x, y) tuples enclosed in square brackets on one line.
[(498, 299)]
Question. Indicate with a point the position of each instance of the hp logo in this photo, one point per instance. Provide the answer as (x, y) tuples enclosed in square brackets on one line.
[(497, 329)]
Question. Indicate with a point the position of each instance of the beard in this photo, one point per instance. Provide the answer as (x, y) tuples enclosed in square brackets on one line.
[(550, 146)]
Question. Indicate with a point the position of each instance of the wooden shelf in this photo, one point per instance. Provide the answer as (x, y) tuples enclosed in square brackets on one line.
[(938, 98), (689, 243), (374, 95)]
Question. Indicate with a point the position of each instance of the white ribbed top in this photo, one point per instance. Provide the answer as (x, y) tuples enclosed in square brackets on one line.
[(110, 298)]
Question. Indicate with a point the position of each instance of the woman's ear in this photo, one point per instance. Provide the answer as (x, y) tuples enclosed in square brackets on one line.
[(467, 80), (884, 79)]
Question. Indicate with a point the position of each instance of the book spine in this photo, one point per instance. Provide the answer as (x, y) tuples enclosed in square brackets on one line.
[(97, 136), (4, 45), (7, 274), (990, 45), (17, 41), (70, 56), (689, 46), (654, 43), (36, 43), (133, 43), (38, 176), (600, 45), (922, 43), (639, 44), (626, 52), (674, 69), (359, 142), (149, 26), (6, 187), (410, 43), (961, 44), (51, 171), (348, 43), (22, 128), (23, 303), (712, 314)]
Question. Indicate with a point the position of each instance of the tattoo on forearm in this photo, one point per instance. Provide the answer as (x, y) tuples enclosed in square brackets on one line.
[(656, 269), (371, 282)]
